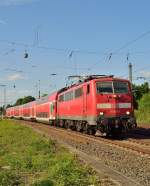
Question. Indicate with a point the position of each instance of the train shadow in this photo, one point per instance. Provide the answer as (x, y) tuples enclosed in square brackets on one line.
[(139, 133)]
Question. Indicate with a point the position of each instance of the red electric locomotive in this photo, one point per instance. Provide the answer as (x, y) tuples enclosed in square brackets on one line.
[(98, 103)]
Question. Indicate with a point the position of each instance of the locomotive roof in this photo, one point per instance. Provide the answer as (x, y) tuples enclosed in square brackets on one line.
[(93, 78)]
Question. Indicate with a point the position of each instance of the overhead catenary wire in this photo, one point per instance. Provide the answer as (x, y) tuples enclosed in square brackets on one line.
[(143, 68), (69, 50), (107, 56), (137, 70), (13, 70), (123, 47)]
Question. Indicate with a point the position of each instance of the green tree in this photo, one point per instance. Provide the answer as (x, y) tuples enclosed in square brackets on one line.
[(28, 99), (140, 90), (24, 100), (43, 95), (19, 102), (9, 105)]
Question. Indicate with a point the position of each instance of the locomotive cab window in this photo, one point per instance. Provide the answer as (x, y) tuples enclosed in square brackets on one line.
[(112, 87), (104, 88), (121, 87)]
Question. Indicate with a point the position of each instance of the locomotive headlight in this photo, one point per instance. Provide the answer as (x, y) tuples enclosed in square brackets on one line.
[(127, 112), (101, 113)]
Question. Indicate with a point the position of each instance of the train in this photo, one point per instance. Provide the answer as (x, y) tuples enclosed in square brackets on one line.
[(95, 104)]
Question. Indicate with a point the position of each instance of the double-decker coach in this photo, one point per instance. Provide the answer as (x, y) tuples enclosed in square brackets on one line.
[(28, 111), (8, 112), (46, 108)]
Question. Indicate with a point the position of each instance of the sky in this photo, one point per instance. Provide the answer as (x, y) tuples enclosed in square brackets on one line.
[(70, 37)]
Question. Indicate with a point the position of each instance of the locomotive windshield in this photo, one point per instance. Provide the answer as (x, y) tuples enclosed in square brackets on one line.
[(121, 87), (112, 87)]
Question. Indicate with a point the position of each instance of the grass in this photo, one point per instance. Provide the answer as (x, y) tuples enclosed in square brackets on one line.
[(26, 158), (143, 117)]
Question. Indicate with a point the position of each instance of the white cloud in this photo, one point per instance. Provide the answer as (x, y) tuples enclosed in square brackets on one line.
[(24, 92), (14, 77), (18, 93), (14, 2), (145, 74)]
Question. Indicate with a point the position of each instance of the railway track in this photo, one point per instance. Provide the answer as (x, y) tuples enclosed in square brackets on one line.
[(132, 145), (143, 142), (141, 135)]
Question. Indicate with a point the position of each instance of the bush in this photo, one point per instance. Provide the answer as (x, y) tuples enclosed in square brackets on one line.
[(143, 113), (144, 103), (9, 178), (44, 183)]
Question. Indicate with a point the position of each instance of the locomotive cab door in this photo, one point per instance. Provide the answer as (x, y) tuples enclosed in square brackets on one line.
[(86, 100)]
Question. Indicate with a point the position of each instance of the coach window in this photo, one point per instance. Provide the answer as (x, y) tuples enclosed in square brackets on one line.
[(88, 89)]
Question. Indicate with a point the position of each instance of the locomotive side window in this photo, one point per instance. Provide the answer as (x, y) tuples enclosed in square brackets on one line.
[(121, 87), (78, 92), (104, 87), (69, 96), (61, 98), (88, 89)]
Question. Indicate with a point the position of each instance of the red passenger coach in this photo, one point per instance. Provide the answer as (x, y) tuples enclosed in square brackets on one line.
[(8, 112), (17, 112), (46, 108), (28, 111)]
